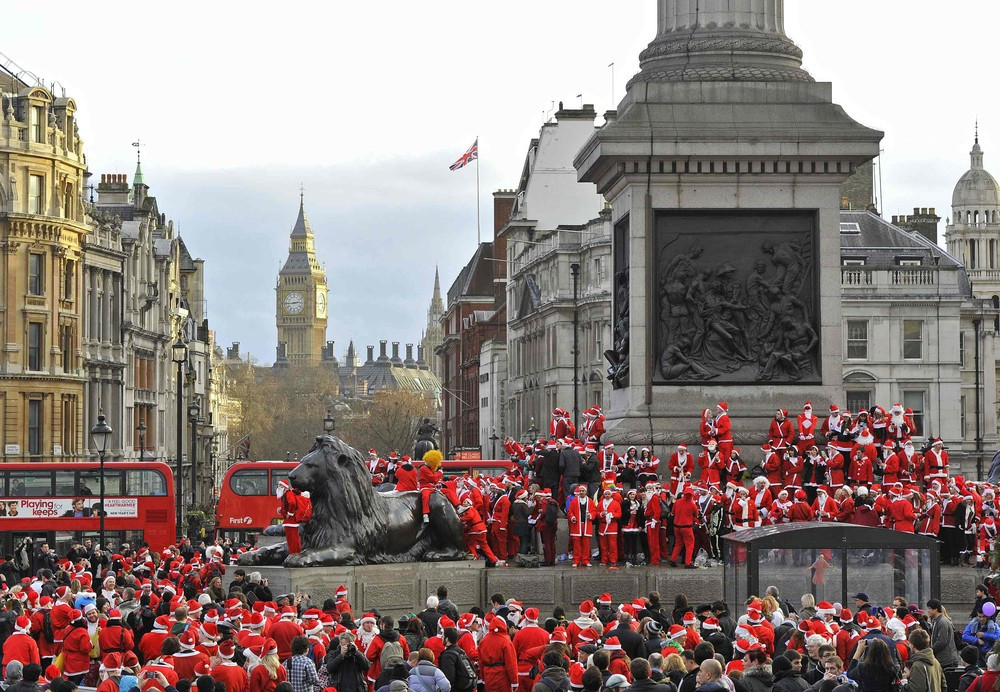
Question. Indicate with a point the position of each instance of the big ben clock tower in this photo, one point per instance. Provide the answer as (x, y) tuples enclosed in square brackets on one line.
[(301, 310)]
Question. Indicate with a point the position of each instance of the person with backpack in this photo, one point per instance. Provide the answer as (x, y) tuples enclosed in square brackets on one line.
[(970, 657), (497, 658), (427, 677), (387, 644), (555, 677), (926, 674), (347, 667), (455, 663)]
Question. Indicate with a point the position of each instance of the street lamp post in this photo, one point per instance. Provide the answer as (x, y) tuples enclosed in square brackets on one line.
[(179, 354), (207, 433), (329, 423), (193, 415), (493, 443), (575, 269), (101, 434), (142, 440)]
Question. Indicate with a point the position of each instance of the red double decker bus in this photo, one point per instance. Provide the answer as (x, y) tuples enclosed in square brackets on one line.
[(247, 503), (59, 503)]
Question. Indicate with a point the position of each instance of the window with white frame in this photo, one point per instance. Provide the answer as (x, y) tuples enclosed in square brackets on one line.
[(913, 339), (915, 399), (857, 339)]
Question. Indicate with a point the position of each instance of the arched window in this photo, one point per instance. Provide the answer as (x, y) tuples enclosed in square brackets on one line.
[(996, 302), (975, 216)]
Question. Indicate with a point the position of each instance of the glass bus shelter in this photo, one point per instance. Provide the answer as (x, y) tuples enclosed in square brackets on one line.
[(832, 561)]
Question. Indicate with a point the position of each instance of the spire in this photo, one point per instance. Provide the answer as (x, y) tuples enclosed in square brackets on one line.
[(302, 227), (977, 151), (137, 178), (437, 283)]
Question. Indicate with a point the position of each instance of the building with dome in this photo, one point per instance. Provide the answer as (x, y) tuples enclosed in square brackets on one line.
[(973, 234)]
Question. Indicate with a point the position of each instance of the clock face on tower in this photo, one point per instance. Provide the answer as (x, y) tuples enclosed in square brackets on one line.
[(320, 302), (294, 303)]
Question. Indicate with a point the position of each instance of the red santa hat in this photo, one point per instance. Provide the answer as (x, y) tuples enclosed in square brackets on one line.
[(576, 675), (612, 644), (742, 645), (227, 649), (845, 616), (370, 617), (711, 624), (465, 620), (682, 446), (22, 624), (735, 664), (444, 623), (808, 406), (800, 495), (498, 626), (530, 615), (722, 406), (112, 663), (676, 632), (559, 634), (588, 636), (604, 599), (689, 618), (825, 608), (187, 640), (766, 447)]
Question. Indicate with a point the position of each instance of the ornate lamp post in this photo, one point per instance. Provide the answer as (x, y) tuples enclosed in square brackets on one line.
[(141, 429), (101, 434), (328, 422), (193, 415), (493, 443), (179, 355)]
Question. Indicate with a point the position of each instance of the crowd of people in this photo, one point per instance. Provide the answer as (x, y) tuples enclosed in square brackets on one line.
[(861, 468), (169, 626)]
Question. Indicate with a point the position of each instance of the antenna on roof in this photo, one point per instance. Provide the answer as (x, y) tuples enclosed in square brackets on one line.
[(977, 130), (138, 151)]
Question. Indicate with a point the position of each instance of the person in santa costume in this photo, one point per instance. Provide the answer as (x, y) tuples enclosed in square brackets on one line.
[(20, 646), (835, 468), (935, 463), (609, 514), (723, 429), (860, 470), (498, 659), (681, 464), (229, 673), (781, 432), (632, 524), (778, 513), (647, 468), (792, 470), (686, 515), (929, 519), (760, 493), (901, 514), (653, 520), (806, 424), (889, 463), (814, 472), (800, 509), (295, 509), (499, 521), (475, 531), (712, 464), (824, 507), (557, 426), (773, 467), (707, 428), (581, 514), (743, 511), (898, 429)]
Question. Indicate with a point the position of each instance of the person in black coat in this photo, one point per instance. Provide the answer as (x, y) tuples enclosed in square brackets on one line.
[(642, 682), (632, 642), (549, 471), (654, 639), (785, 677), (430, 616), (347, 666), (569, 467)]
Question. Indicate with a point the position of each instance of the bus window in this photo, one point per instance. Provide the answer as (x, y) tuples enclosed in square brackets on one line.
[(31, 484), (146, 482), (277, 475), (66, 485), (249, 481), (90, 483)]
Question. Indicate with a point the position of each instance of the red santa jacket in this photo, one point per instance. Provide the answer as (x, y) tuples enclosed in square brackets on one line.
[(22, 648), (609, 515), (890, 469), (232, 676), (498, 662), (807, 429), (581, 516), (826, 510), (773, 468), (472, 523), (76, 651), (861, 469), (791, 470), (406, 477), (935, 465), (743, 512), (680, 469), (115, 639), (723, 428), (686, 513), (780, 434), (901, 514), (712, 465), (930, 519), (835, 469), (800, 511), (501, 513), (528, 638)]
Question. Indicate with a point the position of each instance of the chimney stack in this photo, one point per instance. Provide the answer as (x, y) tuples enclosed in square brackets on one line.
[(381, 350), (371, 355), (395, 353)]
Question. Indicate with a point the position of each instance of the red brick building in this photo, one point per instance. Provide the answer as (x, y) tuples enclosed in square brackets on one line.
[(476, 313)]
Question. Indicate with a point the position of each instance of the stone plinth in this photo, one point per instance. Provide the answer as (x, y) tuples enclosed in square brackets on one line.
[(720, 140), (399, 589)]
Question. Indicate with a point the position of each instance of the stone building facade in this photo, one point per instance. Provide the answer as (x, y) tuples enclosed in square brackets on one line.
[(909, 313), (43, 230), (433, 333), (556, 223)]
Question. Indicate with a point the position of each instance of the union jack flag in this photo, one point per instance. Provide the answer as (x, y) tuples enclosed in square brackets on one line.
[(468, 157)]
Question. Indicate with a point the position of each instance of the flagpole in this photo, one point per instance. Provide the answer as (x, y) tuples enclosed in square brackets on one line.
[(479, 232)]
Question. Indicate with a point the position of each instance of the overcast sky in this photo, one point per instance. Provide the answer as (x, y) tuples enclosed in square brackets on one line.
[(366, 104)]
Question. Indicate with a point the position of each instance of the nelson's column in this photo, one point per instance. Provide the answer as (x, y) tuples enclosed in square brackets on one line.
[(723, 168)]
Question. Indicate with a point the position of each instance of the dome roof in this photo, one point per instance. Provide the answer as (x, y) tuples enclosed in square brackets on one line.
[(977, 189)]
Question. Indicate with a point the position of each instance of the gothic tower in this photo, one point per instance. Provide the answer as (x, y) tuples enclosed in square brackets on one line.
[(434, 332), (301, 307)]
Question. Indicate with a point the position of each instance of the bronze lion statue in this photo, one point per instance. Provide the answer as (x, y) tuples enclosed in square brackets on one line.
[(352, 524)]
